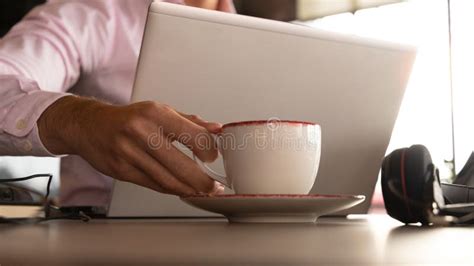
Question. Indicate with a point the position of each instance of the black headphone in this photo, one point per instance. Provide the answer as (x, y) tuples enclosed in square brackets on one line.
[(413, 193)]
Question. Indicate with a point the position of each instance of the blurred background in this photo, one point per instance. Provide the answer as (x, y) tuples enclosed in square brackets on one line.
[(11, 11), (427, 114)]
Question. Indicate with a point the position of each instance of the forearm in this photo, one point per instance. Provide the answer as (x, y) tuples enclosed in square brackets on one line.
[(64, 123)]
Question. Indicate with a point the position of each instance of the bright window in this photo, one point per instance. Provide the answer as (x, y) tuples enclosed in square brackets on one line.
[(425, 114), (462, 29)]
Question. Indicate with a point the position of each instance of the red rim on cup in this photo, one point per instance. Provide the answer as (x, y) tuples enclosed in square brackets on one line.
[(262, 122)]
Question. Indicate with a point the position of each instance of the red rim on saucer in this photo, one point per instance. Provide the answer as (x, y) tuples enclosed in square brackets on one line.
[(274, 196)]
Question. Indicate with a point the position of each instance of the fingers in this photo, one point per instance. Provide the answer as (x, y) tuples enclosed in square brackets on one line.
[(138, 177), (191, 134), (218, 189), (168, 170), (210, 126), (152, 170), (142, 179), (165, 179), (182, 167), (162, 118), (146, 142)]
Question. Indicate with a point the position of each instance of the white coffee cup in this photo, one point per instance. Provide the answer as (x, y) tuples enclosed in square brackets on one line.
[(268, 156)]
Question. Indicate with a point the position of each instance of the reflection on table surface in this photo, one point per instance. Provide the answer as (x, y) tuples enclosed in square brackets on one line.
[(365, 240)]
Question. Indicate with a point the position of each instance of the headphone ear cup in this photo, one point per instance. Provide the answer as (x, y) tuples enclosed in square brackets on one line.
[(417, 172), (406, 171), (394, 204)]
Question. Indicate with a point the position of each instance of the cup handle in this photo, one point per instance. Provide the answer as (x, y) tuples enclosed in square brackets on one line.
[(213, 174)]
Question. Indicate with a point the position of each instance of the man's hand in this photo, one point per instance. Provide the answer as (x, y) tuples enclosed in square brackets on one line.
[(133, 143)]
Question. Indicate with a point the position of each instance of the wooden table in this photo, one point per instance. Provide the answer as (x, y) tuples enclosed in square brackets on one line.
[(359, 240)]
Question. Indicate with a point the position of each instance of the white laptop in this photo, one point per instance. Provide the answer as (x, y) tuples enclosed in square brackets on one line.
[(227, 67)]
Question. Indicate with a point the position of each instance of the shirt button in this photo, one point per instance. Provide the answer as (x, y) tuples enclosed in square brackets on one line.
[(27, 146), (21, 124)]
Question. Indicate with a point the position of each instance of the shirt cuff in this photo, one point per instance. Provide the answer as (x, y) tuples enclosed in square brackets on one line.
[(21, 122)]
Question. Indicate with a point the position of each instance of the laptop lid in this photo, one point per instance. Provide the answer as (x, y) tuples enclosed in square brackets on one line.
[(227, 67)]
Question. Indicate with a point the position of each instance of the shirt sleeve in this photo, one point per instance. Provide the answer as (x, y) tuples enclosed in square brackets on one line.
[(41, 58)]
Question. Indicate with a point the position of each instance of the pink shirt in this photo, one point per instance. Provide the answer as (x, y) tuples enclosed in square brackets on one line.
[(88, 48)]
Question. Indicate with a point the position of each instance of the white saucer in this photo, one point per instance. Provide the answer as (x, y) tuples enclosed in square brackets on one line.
[(273, 208)]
